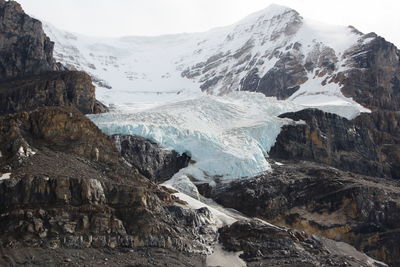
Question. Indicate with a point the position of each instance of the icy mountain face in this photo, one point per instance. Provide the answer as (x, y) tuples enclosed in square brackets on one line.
[(227, 136), (181, 90), (274, 51)]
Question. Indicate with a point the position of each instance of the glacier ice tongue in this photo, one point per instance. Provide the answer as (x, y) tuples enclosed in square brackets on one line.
[(228, 137)]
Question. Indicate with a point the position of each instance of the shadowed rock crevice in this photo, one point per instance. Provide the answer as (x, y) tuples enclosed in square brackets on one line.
[(157, 163)]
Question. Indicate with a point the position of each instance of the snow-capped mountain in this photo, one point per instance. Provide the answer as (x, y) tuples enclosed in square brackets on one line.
[(274, 51), (206, 94)]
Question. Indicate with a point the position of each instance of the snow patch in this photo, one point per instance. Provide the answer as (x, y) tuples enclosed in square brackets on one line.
[(222, 218), (223, 258), (328, 98), (5, 176), (25, 152)]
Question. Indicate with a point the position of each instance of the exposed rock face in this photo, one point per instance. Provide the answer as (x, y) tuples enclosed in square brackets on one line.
[(318, 199), (24, 48), (374, 77), (260, 43), (384, 128), (69, 189), (90, 257), (27, 77), (347, 145), (156, 163), (265, 245), (61, 129), (67, 186), (282, 80), (56, 212), (67, 88)]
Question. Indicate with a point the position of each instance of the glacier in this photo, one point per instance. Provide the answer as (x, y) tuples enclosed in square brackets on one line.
[(227, 137), (157, 88)]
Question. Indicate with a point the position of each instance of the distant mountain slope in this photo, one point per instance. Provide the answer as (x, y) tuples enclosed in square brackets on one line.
[(274, 51)]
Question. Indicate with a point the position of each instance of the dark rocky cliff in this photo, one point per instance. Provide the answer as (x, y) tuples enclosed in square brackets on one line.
[(155, 162), (29, 76), (318, 199), (374, 77), (368, 145), (24, 47), (69, 188), (61, 88)]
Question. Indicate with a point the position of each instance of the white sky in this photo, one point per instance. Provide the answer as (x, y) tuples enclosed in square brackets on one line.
[(155, 17)]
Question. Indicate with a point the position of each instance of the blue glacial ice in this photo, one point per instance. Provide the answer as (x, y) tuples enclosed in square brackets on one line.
[(227, 136)]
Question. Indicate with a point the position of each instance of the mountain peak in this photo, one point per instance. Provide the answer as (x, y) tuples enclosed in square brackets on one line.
[(277, 9), (271, 11)]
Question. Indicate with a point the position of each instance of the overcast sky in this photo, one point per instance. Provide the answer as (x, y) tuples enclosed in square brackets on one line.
[(155, 17)]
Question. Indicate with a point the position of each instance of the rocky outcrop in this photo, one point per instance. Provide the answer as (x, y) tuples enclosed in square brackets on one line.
[(329, 139), (65, 212), (384, 128), (282, 80), (359, 210), (29, 75), (61, 129), (68, 188), (263, 244), (156, 163), (369, 144), (67, 88), (24, 47), (63, 184), (374, 77)]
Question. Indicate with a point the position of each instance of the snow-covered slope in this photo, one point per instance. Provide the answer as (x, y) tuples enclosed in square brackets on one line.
[(159, 86), (147, 71)]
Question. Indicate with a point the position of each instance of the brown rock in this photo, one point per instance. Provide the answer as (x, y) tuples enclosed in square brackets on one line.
[(24, 47), (67, 88)]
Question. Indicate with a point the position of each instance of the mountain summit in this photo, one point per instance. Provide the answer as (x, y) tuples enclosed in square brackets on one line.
[(274, 51)]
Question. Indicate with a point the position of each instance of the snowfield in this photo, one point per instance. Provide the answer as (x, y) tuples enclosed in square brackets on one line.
[(139, 72)]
